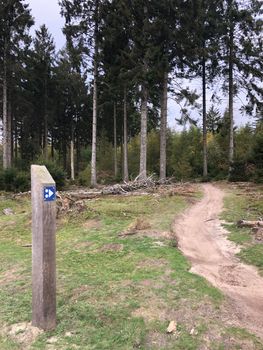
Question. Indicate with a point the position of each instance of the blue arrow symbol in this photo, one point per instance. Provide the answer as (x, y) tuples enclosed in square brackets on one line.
[(49, 193)]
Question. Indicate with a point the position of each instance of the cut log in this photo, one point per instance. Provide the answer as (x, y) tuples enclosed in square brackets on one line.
[(245, 223)]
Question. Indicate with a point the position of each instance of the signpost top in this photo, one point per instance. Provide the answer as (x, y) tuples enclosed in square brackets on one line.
[(42, 175)]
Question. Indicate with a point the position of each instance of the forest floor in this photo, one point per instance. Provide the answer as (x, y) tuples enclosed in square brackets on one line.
[(121, 279)]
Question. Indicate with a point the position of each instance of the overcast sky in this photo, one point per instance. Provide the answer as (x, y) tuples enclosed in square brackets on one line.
[(48, 12)]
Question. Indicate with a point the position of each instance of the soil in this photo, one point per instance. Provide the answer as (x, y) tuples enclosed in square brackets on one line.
[(23, 333), (9, 276), (204, 242)]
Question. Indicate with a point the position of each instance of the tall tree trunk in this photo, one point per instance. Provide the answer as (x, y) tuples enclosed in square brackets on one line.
[(95, 102), (204, 119), (64, 154), (231, 100), (163, 127), (77, 153), (7, 148), (125, 138), (72, 164), (143, 146), (11, 126), (52, 147), (115, 139), (15, 138), (45, 139)]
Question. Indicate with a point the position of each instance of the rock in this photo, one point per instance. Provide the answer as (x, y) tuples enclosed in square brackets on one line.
[(68, 334), (52, 340), (172, 327), (8, 211), (193, 331)]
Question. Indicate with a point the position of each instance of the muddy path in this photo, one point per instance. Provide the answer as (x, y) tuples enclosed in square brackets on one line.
[(203, 241)]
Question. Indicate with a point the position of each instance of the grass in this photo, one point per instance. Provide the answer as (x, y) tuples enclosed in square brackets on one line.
[(244, 202), (112, 292)]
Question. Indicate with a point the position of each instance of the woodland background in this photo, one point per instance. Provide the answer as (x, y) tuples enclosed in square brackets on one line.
[(96, 111)]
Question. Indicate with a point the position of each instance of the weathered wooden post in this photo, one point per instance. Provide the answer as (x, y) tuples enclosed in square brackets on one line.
[(43, 196)]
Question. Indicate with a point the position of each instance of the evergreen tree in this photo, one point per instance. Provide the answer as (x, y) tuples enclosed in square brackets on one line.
[(44, 52), (243, 60), (15, 23), (82, 22)]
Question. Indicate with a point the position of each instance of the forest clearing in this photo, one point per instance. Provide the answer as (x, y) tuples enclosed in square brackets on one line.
[(142, 124), (122, 277)]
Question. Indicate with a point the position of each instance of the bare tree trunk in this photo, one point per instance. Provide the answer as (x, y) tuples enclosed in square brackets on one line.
[(11, 126), (231, 100), (163, 128), (52, 147), (7, 159), (72, 164), (115, 139), (125, 138), (64, 154), (15, 138), (45, 139), (95, 103), (204, 119), (143, 146), (77, 154)]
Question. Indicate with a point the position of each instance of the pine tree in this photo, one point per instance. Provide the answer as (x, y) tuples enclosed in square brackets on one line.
[(15, 23), (44, 52), (82, 22), (242, 59)]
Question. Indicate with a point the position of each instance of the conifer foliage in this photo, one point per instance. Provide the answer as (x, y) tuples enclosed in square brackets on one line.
[(101, 103)]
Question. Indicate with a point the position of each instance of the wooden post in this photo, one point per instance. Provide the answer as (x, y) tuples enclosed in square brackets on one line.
[(43, 194)]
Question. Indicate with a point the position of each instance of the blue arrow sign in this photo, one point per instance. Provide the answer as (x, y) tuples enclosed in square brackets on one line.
[(49, 193)]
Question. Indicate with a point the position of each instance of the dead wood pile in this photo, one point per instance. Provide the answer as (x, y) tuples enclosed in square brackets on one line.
[(256, 228), (70, 201), (137, 184), (246, 223)]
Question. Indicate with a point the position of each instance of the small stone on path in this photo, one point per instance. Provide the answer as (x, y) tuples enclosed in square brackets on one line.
[(172, 327), (52, 340)]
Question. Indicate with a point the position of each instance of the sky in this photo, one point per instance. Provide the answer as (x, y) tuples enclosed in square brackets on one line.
[(48, 12)]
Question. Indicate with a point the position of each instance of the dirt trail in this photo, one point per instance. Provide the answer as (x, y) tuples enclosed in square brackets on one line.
[(203, 241)]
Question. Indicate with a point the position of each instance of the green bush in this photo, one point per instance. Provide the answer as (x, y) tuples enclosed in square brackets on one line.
[(84, 176), (22, 182), (13, 180), (257, 157), (56, 172), (239, 172)]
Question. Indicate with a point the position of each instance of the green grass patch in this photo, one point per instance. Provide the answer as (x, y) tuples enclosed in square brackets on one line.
[(241, 205), (253, 255)]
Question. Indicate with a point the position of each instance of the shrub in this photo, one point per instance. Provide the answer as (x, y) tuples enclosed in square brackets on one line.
[(239, 172), (12, 180), (84, 176), (56, 172), (257, 157)]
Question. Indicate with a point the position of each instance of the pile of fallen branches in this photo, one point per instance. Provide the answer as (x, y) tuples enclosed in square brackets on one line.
[(126, 187), (70, 201), (256, 228), (135, 185)]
